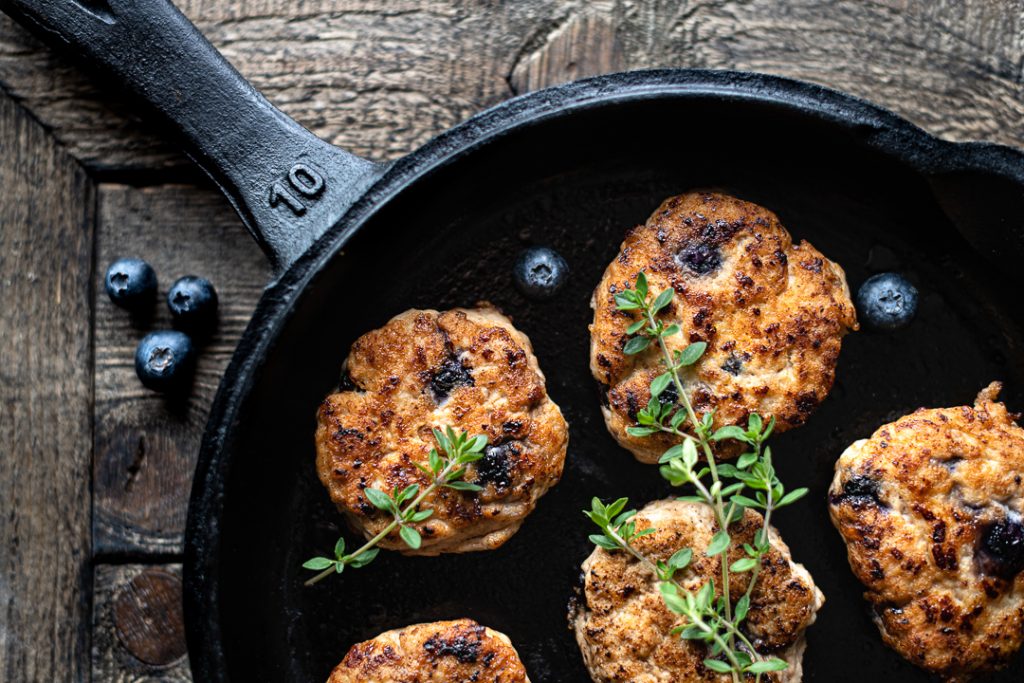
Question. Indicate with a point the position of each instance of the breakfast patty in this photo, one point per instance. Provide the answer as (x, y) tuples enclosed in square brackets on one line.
[(439, 652), (930, 508), (772, 313), (624, 629), (469, 369)]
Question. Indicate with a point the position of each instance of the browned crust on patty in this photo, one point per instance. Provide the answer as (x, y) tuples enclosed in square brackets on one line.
[(773, 315), (624, 629), (914, 504), (465, 368), (438, 652)]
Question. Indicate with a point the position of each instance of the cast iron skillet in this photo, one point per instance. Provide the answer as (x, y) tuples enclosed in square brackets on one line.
[(571, 167)]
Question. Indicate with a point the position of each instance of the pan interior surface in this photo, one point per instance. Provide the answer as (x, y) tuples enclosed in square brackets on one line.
[(577, 184)]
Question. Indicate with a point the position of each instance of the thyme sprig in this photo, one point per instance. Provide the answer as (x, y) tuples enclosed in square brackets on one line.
[(724, 487), (446, 466)]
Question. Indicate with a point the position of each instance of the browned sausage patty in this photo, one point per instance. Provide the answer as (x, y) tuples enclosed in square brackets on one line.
[(931, 511), (465, 368), (624, 629), (773, 315), (440, 652)]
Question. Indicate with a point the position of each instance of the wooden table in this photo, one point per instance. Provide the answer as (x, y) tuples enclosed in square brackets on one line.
[(94, 469)]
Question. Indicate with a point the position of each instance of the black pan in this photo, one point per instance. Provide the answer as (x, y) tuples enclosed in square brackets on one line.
[(570, 167)]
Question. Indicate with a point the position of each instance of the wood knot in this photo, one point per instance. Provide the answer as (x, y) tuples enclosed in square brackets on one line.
[(148, 617)]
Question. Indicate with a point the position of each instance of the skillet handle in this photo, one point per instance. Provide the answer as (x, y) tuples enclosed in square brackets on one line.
[(288, 185)]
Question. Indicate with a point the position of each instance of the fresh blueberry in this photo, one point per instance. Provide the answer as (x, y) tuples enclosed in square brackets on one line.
[(164, 359), (539, 272), (131, 283), (887, 301), (193, 303)]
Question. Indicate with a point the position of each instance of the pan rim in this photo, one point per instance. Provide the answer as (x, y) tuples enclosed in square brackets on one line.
[(874, 127)]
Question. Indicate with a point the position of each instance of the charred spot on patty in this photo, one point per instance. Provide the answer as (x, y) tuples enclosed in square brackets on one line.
[(464, 649), (511, 427), (451, 374), (578, 600), (1001, 549), (496, 465), (701, 258), (703, 398), (347, 384), (859, 490), (632, 404), (344, 433), (806, 402), (945, 557)]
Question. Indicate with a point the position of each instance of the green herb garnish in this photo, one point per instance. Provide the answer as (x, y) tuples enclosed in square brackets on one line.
[(726, 488), (446, 467)]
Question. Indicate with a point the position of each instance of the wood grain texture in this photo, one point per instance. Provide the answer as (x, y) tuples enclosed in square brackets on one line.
[(146, 443), (138, 624), (380, 77), (587, 44), (46, 229)]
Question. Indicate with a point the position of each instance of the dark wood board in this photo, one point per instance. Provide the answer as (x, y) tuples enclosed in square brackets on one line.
[(46, 234), (146, 444), (138, 624)]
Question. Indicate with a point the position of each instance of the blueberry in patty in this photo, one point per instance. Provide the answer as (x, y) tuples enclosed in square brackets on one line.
[(452, 373), (539, 272), (733, 365), (130, 283), (496, 465), (1002, 549), (164, 360), (193, 303), (669, 396), (887, 301), (859, 490), (701, 258)]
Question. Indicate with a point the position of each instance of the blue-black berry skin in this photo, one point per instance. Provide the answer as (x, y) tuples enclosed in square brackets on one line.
[(164, 360), (130, 283), (193, 303), (539, 272), (1002, 549), (887, 301)]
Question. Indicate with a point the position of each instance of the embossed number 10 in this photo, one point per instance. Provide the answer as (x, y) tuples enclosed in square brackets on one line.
[(304, 180)]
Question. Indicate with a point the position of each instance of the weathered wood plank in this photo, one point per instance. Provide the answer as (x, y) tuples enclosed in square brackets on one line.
[(138, 625), (379, 76), (951, 66), (145, 443), (954, 67), (46, 229), (585, 45)]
